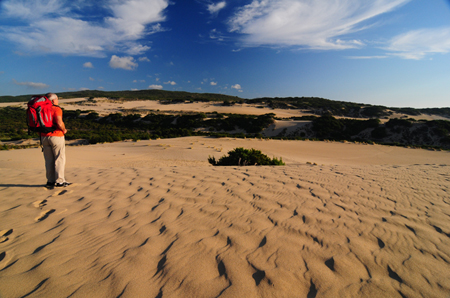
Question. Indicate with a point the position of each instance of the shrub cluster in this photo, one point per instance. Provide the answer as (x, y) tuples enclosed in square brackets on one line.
[(91, 126), (340, 129), (245, 157)]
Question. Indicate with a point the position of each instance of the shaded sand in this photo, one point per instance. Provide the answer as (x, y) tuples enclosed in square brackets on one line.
[(153, 219)]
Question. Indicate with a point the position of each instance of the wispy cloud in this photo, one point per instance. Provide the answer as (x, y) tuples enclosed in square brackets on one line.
[(216, 35), (366, 57), (59, 29), (123, 62), (29, 9), (214, 8), (31, 85), (419, 43), (318, 24), (170, 83), (88, 65)]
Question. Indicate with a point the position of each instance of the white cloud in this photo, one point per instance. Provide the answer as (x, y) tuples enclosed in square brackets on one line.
[(170, 83), (123, 62), (28, 9), (32, 85), (100, 88), (60, 29), (318, 24), (157, 87), (366, 57), (419, 43), (88, 65), (84, 89), (237, 87), (144, 59), (91, 79), (215, 34), (213, 83), (135, 49), (214, 8)]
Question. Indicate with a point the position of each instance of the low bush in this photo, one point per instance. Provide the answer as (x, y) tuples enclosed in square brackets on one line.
[(245, 157)]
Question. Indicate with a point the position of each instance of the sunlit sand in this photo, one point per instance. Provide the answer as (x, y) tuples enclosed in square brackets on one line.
[(154, 219)]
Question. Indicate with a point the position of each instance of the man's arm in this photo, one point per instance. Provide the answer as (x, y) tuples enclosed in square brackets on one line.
[(60, 124)]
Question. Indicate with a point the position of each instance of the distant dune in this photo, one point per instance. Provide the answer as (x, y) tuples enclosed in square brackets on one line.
[(105, 106), (288, 122)]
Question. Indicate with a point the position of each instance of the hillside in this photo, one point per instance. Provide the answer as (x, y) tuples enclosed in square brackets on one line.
[(313, 105), (133, 95)]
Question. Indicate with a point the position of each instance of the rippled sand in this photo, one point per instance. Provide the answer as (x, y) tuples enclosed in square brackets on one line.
[(358, 225)]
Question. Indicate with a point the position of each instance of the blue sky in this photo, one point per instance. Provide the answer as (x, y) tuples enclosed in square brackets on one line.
[(383, 52)]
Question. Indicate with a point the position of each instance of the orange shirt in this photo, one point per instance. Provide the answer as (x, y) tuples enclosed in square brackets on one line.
[(56, 111)]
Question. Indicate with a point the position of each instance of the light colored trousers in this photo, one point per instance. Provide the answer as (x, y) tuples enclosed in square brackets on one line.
[(55, 158)]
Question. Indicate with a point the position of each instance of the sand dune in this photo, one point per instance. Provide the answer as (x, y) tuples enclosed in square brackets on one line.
[(154, 219)]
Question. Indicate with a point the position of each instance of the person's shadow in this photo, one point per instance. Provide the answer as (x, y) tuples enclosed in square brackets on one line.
[(22, 185)]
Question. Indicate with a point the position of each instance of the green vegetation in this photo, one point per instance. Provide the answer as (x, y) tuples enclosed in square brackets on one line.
[(245, 157), (90, 126), (403, 132), (169, 96), (13, 124), (328, 127), (116, 127), (315, 105)]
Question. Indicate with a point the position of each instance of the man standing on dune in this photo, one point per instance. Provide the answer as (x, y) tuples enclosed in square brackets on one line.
[(54, 147)]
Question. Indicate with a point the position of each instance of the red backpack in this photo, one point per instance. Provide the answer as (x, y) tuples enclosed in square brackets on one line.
[(39, 114)]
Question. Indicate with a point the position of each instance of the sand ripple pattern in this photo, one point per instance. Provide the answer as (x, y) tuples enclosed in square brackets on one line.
[(294, 231)]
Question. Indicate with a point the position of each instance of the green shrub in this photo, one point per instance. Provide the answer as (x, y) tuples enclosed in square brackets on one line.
[(398, 122), (327, 126), (245, 157), (379, 133), (374, 111)]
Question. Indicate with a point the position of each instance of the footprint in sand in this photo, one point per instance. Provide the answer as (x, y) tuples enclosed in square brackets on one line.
[(44, 215), (40, 204), (4, 235), (62, 192)]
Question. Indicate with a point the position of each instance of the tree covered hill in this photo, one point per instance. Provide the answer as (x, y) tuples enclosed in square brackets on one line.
[(134, 95), (93, 128), (314, 105)]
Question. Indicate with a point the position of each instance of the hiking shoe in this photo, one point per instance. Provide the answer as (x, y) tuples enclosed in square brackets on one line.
[(64, 184), (50, 184)]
